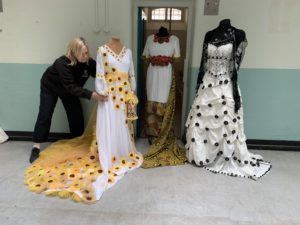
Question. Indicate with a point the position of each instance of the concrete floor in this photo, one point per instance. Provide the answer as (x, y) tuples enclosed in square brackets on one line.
[(162, 196)]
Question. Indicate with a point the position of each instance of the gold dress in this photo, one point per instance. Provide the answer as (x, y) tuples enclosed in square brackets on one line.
[(160, 85)]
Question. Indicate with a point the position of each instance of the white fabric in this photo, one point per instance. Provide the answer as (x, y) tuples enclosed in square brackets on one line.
[(3, 136), (159, 78), (215, 133), (113, 134)]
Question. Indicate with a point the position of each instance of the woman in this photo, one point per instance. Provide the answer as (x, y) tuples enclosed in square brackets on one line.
[(64, 79)]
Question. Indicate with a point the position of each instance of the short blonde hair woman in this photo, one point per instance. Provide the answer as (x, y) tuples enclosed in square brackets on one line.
[(77, 50), (65, 79)]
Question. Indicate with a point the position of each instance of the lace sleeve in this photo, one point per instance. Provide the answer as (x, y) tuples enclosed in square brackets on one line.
[(203, 64), (240, 52)]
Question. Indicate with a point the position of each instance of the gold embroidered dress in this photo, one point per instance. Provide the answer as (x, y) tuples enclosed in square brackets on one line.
[(160, 85)]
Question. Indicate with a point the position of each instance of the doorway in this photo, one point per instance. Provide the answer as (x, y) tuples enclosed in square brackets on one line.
[(177, 17)]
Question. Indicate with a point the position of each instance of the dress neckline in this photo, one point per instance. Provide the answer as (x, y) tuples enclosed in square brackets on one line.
[(220, 43), (119, 55)]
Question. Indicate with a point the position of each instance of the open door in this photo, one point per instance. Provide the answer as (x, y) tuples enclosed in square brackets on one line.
[(177, 17)]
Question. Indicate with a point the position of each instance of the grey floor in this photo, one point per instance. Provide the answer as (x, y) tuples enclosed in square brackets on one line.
[(162, 196)]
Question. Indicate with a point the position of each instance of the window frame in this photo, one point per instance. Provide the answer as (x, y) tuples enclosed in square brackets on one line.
[(166, 14)]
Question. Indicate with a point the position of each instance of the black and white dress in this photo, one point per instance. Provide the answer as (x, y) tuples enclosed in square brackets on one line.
[(215, 130)]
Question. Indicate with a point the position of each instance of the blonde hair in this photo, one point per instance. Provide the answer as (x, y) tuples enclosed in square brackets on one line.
[(74, 48)]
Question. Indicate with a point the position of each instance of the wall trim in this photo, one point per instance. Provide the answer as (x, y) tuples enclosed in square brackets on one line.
[(276, 145), (27, 136), (257, 144)]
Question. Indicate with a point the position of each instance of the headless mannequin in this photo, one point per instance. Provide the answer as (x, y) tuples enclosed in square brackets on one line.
[(115, 45)]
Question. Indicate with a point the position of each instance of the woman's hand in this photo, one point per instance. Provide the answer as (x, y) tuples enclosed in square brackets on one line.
[(99, 97)]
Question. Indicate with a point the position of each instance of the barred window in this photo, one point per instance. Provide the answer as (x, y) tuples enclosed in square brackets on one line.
[(166, 14)]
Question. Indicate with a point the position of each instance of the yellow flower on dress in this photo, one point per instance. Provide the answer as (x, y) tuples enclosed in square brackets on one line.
[(50, 181), (76, 185), (117, 106), (88, 194), (116, 168), (72, 176), (121, 99), (123, 161), (87, 165), (114, 97), (90, 198), (36, 187), (113, 159), (111, 180), (62, 174), (86, 190), (110, 80), (132, 155), (121, 89), (41, 172), (92, 158), (112, 89)]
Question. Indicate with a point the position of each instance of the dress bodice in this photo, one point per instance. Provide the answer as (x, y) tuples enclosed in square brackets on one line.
[(219, 59), (169, 48)]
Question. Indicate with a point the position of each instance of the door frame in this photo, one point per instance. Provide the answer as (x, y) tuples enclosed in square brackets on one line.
[(190, 4)]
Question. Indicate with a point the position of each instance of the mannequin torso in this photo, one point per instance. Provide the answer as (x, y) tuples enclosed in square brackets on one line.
[(225, 32)]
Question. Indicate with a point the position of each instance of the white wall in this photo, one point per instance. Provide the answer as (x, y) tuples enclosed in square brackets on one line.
[(272, 29), (38, 31)]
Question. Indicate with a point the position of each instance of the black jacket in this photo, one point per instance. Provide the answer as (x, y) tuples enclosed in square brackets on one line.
[(65, 80)]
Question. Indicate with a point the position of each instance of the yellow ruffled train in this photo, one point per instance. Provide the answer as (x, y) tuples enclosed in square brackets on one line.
[(69, 168)]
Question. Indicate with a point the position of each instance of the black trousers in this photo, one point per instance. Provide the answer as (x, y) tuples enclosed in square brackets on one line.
[(48, 102)]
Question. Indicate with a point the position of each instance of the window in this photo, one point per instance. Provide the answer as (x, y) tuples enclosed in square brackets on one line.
[(174, 14), (166, 14), (158, 14)]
